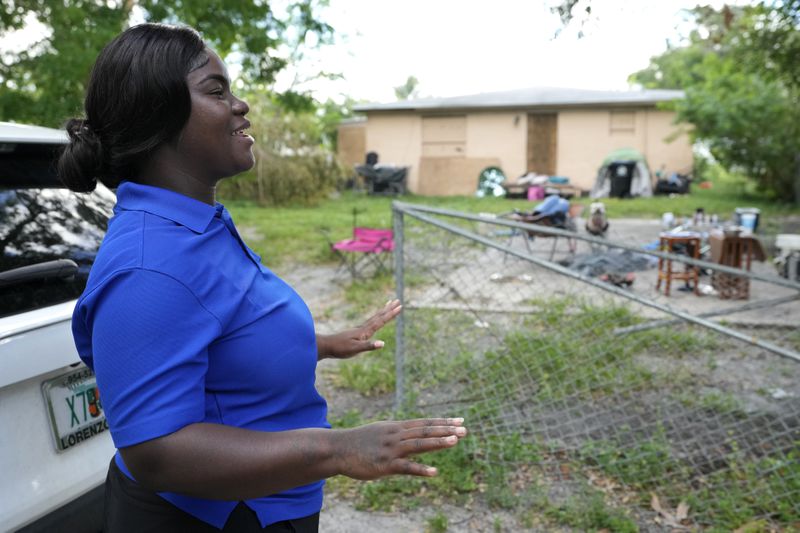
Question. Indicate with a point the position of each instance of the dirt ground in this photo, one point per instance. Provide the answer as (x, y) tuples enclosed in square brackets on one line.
[(325, 299)]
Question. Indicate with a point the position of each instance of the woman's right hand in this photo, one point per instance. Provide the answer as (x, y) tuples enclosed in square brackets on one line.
[(384, 448)]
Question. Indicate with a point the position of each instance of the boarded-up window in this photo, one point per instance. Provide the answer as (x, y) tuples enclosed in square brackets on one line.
[(542, 137), (444, 136), (622, 122)]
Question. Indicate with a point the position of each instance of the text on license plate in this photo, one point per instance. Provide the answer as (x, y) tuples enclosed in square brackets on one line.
[(74, 408)]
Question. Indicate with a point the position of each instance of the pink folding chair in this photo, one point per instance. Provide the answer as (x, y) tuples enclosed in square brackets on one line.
[(369, 246)]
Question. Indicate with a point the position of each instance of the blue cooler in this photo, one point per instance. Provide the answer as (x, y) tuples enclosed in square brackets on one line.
[(747, 217)]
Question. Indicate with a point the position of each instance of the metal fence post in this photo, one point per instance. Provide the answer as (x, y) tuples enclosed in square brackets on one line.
[(399, 354)]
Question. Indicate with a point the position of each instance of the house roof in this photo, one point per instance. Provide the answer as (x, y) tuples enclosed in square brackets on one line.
[(538, 97)]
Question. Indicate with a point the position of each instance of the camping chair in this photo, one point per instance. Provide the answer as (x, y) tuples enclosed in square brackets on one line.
[(567, 222), (369, 246)]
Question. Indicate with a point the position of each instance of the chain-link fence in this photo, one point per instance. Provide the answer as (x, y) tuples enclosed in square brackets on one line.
[(581, 380)]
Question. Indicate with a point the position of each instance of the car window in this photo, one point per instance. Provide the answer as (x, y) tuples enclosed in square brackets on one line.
[(44, 223)]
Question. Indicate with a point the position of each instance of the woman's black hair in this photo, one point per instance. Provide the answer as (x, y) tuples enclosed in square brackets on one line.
[(137, 99)]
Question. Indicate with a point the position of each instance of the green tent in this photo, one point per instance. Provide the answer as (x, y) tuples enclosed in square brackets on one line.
[(624, 154), (634, 179)]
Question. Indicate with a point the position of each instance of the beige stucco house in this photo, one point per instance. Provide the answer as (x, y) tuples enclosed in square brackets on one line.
[(447, 142)]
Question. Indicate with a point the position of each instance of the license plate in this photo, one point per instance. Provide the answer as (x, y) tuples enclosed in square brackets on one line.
[(73, 404)]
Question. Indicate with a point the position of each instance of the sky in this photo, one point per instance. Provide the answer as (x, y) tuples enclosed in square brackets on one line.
[(459, 47)]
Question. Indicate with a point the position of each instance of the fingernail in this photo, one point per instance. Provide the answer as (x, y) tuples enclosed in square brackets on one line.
[(431, 470), (461, 431), (458, 420), (451, 439), (379, 344)]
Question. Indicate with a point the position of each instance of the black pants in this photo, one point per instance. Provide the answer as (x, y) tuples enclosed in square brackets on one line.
[(130, 508)]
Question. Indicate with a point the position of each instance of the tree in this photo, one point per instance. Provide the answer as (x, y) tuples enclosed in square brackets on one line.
[(742, 92), (408, 89), (45, 84)]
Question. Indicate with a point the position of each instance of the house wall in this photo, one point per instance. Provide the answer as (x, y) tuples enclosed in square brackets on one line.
[(675, 156), (502, 136), (446, 153), (585, 137), (397, 138), (444, 164)]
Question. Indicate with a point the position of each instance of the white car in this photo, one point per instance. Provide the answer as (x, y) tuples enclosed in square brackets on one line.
[(55, 446)]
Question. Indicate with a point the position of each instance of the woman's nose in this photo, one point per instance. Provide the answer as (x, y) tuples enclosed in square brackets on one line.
[(240, 107)]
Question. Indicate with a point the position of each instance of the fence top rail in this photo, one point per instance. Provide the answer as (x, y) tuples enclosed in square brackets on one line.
[(406, 207)]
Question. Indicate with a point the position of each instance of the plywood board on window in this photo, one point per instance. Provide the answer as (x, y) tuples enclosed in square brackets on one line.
[(352, 144), (442, 176), (542, 139), (443, 150)]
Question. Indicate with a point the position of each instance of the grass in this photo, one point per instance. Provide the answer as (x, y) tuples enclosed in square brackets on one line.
[(293, 234), (766, 487), (586, 510), (642, 464)]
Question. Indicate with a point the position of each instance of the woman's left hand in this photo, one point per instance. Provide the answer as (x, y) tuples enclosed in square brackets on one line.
[(354, 341)]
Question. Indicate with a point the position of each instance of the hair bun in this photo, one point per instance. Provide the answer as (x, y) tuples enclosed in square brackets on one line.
[(83, 160)]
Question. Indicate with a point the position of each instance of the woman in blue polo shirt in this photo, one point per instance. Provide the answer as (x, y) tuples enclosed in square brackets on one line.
[(204, 358)]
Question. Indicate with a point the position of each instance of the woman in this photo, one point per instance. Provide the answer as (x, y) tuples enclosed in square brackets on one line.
[(204, 358)]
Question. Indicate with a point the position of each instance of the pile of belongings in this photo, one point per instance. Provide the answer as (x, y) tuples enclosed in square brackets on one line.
[(616, 267)]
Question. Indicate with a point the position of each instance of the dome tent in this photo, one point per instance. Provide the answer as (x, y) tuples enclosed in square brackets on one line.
[(624, 174)]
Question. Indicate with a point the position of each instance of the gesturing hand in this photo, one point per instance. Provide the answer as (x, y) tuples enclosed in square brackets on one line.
[(383, 448), (356, 340)]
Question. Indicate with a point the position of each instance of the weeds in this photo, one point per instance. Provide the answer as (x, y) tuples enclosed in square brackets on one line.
[(437, 523), (643, 463), (586, 510)]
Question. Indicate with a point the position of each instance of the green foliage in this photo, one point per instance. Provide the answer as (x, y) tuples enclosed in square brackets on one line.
[(642, 463), (589, 362), (371, 373), (586, 510), (408, 89), (330, 114), (749, 124), (589, 512), (292, 164), (739, 71), (350, 419), (45, 83), (766, 487), (437, 523)]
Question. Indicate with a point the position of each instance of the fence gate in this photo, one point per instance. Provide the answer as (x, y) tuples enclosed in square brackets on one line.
[(678, 412)]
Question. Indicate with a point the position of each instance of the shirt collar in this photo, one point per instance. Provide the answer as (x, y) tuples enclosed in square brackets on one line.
[(164, 203)]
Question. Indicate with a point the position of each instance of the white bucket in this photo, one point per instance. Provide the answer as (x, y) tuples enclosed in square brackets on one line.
[(748, 221)]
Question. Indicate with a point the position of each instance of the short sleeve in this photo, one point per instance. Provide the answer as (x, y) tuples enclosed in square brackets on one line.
[(149, 343)]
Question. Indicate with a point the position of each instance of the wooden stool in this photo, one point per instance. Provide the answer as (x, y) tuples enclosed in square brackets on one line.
[(669, 243), (737, 252)]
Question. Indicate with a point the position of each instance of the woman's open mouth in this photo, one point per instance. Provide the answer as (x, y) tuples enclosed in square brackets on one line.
[(242, 133)]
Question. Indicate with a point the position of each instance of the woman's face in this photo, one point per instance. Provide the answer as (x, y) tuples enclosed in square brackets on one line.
[(213, 141)]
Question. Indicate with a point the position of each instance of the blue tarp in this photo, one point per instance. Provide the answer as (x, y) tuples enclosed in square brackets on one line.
[(552, 205)]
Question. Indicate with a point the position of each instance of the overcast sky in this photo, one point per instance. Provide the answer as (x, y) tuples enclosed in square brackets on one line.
[(458, 47)]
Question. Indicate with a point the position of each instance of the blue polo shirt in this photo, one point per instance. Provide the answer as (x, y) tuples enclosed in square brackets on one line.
[(182, 323)]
